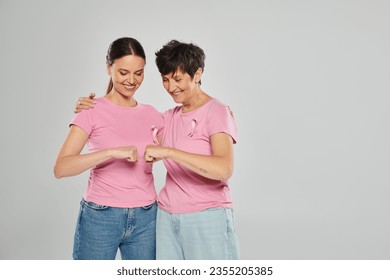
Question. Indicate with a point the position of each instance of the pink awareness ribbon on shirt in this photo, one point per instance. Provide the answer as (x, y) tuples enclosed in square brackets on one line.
[(194, 122), (154, 134)]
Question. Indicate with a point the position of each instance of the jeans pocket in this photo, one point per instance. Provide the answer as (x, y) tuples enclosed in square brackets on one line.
[(94, 206), (147, 207)]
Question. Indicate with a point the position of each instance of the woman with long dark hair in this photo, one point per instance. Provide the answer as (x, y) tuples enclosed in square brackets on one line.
[(118, 209)]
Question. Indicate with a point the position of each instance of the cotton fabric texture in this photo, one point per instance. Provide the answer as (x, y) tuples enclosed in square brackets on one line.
[(117, 182), (184, 190)]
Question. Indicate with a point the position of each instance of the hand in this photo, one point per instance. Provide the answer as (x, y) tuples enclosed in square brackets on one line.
[(129, 153), (84, 103), (153, 153)]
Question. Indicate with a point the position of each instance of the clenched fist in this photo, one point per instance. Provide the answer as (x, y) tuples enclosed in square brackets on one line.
[(153, 153), (130, 153)]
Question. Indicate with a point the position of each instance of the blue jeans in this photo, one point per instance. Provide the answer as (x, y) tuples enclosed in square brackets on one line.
[(101, 230), (206, 235)]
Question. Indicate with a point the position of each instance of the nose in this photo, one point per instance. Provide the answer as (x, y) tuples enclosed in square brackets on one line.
[(131, 79), (171, 87)]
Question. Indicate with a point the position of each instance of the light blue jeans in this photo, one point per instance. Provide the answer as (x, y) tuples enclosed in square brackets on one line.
[(101, 230), (206, 235)]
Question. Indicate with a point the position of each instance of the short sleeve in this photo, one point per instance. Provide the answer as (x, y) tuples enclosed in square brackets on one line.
[(221, 119), (83, 120), (158, 127)]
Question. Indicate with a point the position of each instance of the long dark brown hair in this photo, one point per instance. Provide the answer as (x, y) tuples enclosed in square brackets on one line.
[(121, 47)]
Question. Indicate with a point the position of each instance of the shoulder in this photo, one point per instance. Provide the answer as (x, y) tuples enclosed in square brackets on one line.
[(91, 114), (100, 103), (216, 107), (172, 111), (217, 104), (100, 99), (213, 105), (149, 108)]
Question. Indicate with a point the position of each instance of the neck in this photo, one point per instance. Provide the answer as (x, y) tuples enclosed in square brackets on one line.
[(119, 99), (196, 101)]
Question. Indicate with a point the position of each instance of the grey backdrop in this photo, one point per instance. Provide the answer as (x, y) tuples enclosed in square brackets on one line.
[(308, 82)]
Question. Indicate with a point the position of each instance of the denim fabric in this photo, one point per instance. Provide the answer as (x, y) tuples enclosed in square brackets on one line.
[(206, 235), (101, 230)]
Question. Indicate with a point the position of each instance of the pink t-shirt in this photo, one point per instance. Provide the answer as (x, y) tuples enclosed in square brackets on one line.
[(117, 182), (184, 190)]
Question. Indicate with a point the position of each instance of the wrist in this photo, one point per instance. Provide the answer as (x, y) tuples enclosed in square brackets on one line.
[(109, 153), (168, 152)]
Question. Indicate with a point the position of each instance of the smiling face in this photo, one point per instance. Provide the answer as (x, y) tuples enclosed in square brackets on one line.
[(127, 74), (181, 86)]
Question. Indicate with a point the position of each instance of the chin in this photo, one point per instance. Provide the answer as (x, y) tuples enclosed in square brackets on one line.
[(130, 92), (177, 100)]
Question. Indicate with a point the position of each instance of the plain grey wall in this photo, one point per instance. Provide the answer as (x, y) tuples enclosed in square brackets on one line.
[(308, 82)]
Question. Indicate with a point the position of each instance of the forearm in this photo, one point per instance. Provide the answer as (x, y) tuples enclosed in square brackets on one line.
[(71, 165), (209, 166)]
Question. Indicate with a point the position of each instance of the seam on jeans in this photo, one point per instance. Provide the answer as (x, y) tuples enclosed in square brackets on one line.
[(233, 222), (77, 234), (95, 206), (176, 225), (229, 234), (131, 217)]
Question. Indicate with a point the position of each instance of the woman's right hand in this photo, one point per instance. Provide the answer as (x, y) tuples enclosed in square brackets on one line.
[(130, 153), (85, 103)]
